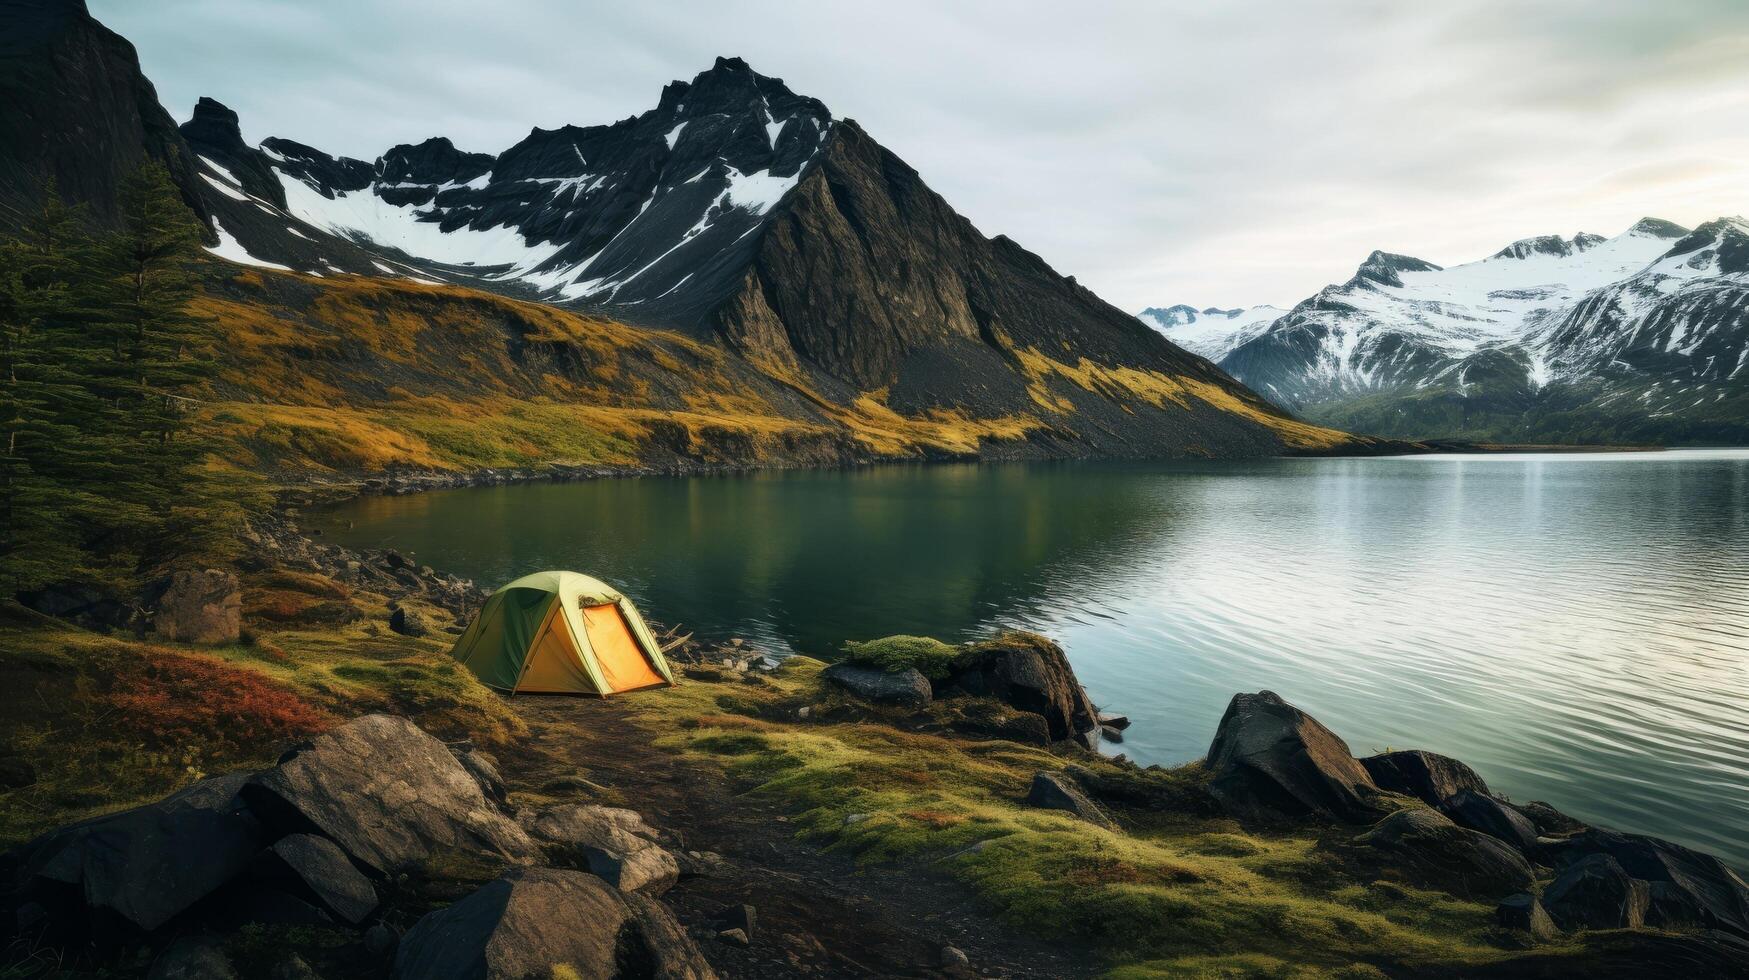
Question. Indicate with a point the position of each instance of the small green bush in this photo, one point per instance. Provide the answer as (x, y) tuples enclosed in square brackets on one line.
[(932, 658)]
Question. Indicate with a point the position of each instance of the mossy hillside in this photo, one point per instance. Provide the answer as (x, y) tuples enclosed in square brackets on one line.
[(108, 722), (356, 374), (1176, 894)]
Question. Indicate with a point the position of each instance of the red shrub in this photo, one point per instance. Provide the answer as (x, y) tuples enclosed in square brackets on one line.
[(170, 699)]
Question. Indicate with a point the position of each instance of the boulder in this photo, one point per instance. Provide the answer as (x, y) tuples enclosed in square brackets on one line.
[(1108, 720), (196, 957), (1523, 913), (1055, 791), (200, 607), (1110, 734), (1549, 821), (1427, 849), (318, 869), (1028, 672), (612, 843), (533, 922), (408, 622), (1427, 776), (906, 688), (1595, 893), (1489, 815), (388, 794), (1687, 888), (1271, 760), (139, 868), (743, 917), (380, 940)]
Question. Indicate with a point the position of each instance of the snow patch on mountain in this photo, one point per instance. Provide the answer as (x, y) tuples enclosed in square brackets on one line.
[(1211, 332)]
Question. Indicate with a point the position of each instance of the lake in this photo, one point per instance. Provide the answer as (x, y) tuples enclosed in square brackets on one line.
[(1576, 627)]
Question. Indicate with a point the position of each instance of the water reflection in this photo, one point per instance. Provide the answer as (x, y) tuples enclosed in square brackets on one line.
[(1575, 627)]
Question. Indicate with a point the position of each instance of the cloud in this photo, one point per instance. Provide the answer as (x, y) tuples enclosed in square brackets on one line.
[(1213, 153)]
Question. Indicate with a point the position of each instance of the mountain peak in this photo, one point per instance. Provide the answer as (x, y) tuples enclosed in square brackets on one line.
[(1383, 267), (1657, 228), (213, 124)]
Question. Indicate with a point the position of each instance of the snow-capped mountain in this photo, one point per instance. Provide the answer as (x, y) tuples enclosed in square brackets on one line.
[(644, 212), (1548, 338), (1211, 332), (747, 231)]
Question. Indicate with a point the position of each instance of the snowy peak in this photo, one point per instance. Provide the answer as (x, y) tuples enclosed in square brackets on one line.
[(1211, 332), (433, 162), (1553, 245), (653, 210), (1384, 268)]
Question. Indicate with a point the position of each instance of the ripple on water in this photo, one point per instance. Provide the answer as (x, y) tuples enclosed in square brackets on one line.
[(1575, 627)]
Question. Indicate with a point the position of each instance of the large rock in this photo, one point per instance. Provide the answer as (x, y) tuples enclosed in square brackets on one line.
[(610, 842), (1522, 912), (1596, 893), (906, 688), (484, 768), (533, 922), (1427, 849), (1478, 811), (1686, 887), (1031, 673), (1269, 759), (317, 868), (200, 607), (1428, 776), (389, 794), (1549, 821), (1055, 791), (141, 867)]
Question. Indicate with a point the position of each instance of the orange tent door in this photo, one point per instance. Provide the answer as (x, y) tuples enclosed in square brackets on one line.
[(622, 663), (552, 666)]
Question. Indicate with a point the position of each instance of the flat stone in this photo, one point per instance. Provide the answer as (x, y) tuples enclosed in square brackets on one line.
[(907, 688)]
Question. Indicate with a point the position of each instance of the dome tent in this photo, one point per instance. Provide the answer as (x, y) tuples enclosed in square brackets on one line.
[(561, 633)]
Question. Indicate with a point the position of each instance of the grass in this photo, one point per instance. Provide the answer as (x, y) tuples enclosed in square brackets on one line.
[(354, 375), (110, 722), (1175, 894)]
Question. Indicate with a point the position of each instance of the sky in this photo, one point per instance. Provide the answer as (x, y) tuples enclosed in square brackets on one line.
[(1211, 153)]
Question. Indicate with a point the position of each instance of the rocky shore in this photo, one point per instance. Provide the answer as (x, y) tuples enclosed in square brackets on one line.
[(376, 849)]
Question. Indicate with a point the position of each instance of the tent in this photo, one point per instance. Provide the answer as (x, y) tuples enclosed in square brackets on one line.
[(561, 633)]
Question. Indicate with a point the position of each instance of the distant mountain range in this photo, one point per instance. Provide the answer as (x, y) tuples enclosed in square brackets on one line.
[(1211, 332), (735, 218), (1638, 338)]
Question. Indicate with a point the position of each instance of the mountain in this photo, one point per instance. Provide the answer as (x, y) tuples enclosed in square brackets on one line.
[(1211, 332), (75, 108), (1639, 337), (736, 260)]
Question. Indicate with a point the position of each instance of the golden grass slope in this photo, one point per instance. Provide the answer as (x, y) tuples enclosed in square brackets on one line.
[(354, 374)]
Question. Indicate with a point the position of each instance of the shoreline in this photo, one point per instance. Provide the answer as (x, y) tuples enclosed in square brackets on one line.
[(315, 490)]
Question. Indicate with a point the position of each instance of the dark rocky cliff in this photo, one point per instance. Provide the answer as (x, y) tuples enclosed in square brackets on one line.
[(75, 106)]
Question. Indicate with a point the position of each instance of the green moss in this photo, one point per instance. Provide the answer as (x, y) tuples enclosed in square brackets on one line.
[(932, 658), (1180, 892)]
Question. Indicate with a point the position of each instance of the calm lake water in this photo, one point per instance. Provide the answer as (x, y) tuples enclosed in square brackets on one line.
[(1574, 626)]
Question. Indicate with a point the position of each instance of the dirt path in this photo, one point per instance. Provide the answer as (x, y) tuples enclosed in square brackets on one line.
[(818, 915)]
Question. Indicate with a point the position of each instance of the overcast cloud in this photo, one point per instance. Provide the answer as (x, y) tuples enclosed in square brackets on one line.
[(1201, 152)]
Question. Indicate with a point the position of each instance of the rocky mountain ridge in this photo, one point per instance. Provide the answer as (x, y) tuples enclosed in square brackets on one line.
[(1639, 337)]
